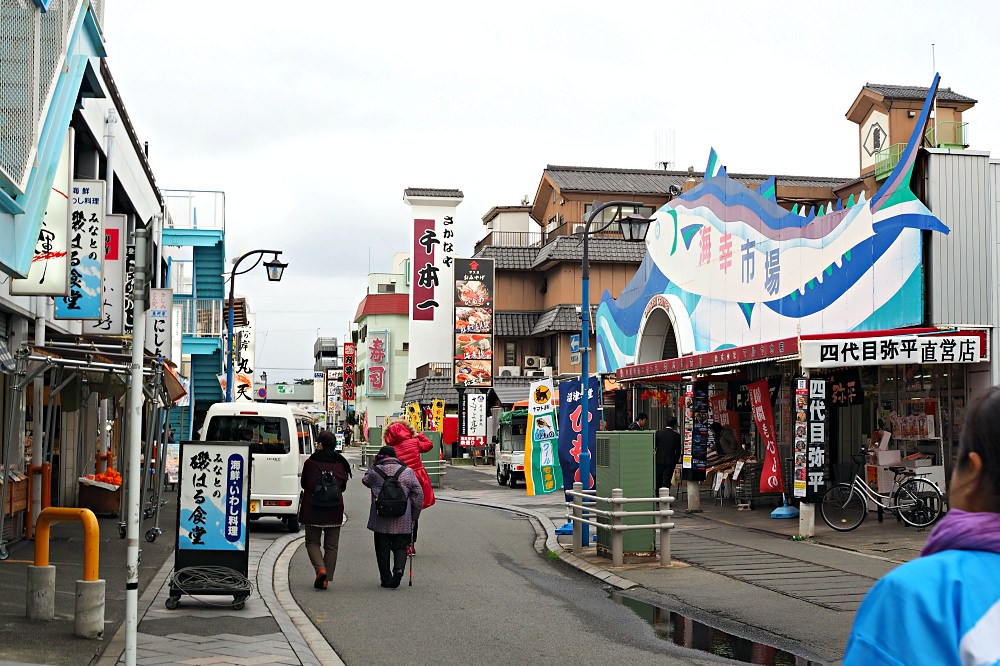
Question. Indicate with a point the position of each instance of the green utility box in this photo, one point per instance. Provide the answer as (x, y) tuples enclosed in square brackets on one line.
[(374, 444), (432, 458), (625, 459)]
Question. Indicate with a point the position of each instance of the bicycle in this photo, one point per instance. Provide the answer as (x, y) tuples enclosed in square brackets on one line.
[(917, 501)]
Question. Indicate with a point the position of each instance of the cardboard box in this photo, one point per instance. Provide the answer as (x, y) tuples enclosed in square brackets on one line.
[(880, 457), (101, 501)]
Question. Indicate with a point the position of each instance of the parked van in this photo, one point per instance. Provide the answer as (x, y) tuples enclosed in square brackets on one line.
[(509, 445), (281, 438)]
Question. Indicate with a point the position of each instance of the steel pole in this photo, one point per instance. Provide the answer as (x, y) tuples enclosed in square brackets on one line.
[(229, 335), (134, 481)]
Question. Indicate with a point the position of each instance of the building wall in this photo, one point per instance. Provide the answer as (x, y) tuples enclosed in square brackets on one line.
[(518, 290), (565, 282), (961, 277), (379, 408)]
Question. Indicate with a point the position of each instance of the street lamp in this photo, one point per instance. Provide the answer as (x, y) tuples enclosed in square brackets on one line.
[(634, 228), (263, 378), (275, 269)]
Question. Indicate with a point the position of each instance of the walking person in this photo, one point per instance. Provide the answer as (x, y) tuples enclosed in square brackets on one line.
[(640, 422), (668, 453), (321, 506), (396, 503), (944, 607), (408, 446)]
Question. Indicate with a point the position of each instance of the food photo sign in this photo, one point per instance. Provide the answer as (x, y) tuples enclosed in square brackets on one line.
[(474, 322)]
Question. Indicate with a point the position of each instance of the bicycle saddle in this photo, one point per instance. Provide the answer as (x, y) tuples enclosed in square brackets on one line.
[(900, 470)]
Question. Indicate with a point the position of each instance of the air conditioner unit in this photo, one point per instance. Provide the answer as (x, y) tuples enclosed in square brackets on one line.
[(509, 371), (547, 371), (534, 373), (535, 362)]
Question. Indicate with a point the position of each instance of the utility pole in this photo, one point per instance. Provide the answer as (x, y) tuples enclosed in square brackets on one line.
[(134, 481)]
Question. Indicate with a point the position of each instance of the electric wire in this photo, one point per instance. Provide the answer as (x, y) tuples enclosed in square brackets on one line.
[(198, 581)]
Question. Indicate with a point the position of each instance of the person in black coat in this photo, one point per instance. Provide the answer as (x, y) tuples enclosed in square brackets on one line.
[(668, 453), (322, 524)]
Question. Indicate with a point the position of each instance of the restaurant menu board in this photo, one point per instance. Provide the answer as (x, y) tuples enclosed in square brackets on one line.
[(214, 496), (474, 322), (696, 432), (800, 439)]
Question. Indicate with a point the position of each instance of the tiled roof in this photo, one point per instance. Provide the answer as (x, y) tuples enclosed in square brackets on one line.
[(656, 182), (514, 324), (425, 389), (560, 319), (916, 93), (614, 250), (376, 304), (510, 258), (431, 192), (511, 390)]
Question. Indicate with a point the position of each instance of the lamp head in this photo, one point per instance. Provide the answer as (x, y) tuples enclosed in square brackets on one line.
[(274, 268), (635, 227)]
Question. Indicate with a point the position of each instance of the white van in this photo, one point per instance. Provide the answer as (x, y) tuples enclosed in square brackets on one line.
[(281, 438)]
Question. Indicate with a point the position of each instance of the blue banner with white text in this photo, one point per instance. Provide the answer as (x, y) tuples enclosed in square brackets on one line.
[(571, 426)]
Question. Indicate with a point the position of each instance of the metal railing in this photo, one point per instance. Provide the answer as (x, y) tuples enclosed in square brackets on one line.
[(576, 229), (619, 519), (195, 209), (887, 159), (510, 239), (947, 134), (435, 468), (203, 317)]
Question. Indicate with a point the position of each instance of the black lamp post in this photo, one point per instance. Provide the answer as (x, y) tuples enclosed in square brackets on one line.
[(634, 228), (275, 269)]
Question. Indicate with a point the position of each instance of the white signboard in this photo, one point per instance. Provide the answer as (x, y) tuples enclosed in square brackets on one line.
[(158, 321), (86, 252), (245, 360), (112, 319), (476, 425), (49, 271), (894, 350)]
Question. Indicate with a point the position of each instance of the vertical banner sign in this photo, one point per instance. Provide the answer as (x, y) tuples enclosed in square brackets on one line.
[(696, 421), (244, 360), (413, 416), (49, 271), (377, 376), (475, 420), (425, 279), (214, 492), (158, 316), (86, 252), (571, 429), (474, 280), (128, 324), (801, 437), (541, 451), (112, 317), (816, 451), (729, 418), (349, 371), (771, 478), (437, 413)]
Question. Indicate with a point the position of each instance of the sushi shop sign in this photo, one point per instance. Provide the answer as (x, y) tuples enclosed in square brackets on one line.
[(473, 322)]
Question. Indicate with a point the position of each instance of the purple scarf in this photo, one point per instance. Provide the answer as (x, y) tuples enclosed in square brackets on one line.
[(965, 530)]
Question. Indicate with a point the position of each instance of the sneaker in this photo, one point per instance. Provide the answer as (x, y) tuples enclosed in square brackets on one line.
[(386, 582), (397, 576), (321, 581)]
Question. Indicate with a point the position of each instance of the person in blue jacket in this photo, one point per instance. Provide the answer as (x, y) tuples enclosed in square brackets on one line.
[(944, 607)]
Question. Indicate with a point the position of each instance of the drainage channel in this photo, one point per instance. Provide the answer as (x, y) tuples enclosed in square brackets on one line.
[(817, 584), (685, 632)]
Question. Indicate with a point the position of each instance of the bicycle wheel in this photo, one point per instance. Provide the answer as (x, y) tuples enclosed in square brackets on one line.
[(843, 508), (918, 502)]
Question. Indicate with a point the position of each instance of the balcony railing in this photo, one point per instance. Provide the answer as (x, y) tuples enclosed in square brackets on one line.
[(576, 229), (510, 239), (203, 317), (887, 159), (950, 134), (195, 209)]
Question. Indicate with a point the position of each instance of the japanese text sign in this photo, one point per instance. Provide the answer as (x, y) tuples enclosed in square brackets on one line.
[(158, 321), (542, 472), (425, 281), (810, 439), (213, 496), (377, 374), (112, 318), (474, 282), (349, 351), (571, 429), (771, 478), (964, 347), (86, 252)]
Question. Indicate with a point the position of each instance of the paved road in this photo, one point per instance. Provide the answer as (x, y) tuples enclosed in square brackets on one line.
[(481, 594)]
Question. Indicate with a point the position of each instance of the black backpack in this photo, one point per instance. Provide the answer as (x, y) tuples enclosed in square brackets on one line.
[(392, 500), (326, 494)]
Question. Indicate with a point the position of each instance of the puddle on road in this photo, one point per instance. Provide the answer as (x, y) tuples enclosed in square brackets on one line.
[(684, 631)]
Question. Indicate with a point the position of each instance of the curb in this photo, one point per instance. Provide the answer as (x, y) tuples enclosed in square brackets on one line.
[(546, 540)]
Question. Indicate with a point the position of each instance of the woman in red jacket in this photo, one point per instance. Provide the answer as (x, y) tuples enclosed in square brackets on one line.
[(409, 446)]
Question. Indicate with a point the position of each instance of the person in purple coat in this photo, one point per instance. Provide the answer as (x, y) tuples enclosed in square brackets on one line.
[(322, 524), (392, 534)]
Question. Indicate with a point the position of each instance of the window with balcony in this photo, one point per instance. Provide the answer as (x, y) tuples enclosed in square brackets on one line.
[(387, 288)]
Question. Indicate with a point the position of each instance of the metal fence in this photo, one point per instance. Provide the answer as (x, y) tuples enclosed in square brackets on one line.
[(580, 516), (33, 48), (203, 317)]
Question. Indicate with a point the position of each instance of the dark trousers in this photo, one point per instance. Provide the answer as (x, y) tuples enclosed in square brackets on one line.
[(664, 474), (394, 543)]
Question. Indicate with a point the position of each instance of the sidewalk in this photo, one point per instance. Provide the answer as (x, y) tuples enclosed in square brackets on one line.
[(271, 629)]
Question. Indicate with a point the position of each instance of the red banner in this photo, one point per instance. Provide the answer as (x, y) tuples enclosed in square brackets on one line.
[(771, 478), (729, 418), (425, 279)]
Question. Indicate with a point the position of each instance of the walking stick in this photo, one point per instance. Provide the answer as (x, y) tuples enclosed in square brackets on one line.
[(409, 555)]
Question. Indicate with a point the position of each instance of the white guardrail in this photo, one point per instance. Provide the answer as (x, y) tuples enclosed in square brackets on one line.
[(578, 513), (435, 468)]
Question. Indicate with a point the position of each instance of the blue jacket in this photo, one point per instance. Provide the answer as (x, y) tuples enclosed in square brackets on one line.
[(942, 609)]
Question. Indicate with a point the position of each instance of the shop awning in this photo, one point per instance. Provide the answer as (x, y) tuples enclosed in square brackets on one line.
[(785, 349)]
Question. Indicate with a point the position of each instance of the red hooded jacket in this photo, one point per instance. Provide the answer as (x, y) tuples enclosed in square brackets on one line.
[(408, 449)]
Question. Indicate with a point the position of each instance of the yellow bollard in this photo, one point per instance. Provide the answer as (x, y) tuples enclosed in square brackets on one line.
[(91, 537)]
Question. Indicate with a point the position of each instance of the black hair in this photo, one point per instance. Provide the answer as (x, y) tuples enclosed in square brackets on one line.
[(672, 422), (642, 415), (982, 424), (327, 439), (716, 427)]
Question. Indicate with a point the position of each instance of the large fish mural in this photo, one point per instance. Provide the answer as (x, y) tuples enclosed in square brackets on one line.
[(731, 267)]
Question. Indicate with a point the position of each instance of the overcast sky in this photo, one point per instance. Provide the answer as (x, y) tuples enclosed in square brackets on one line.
[(314, 117)]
